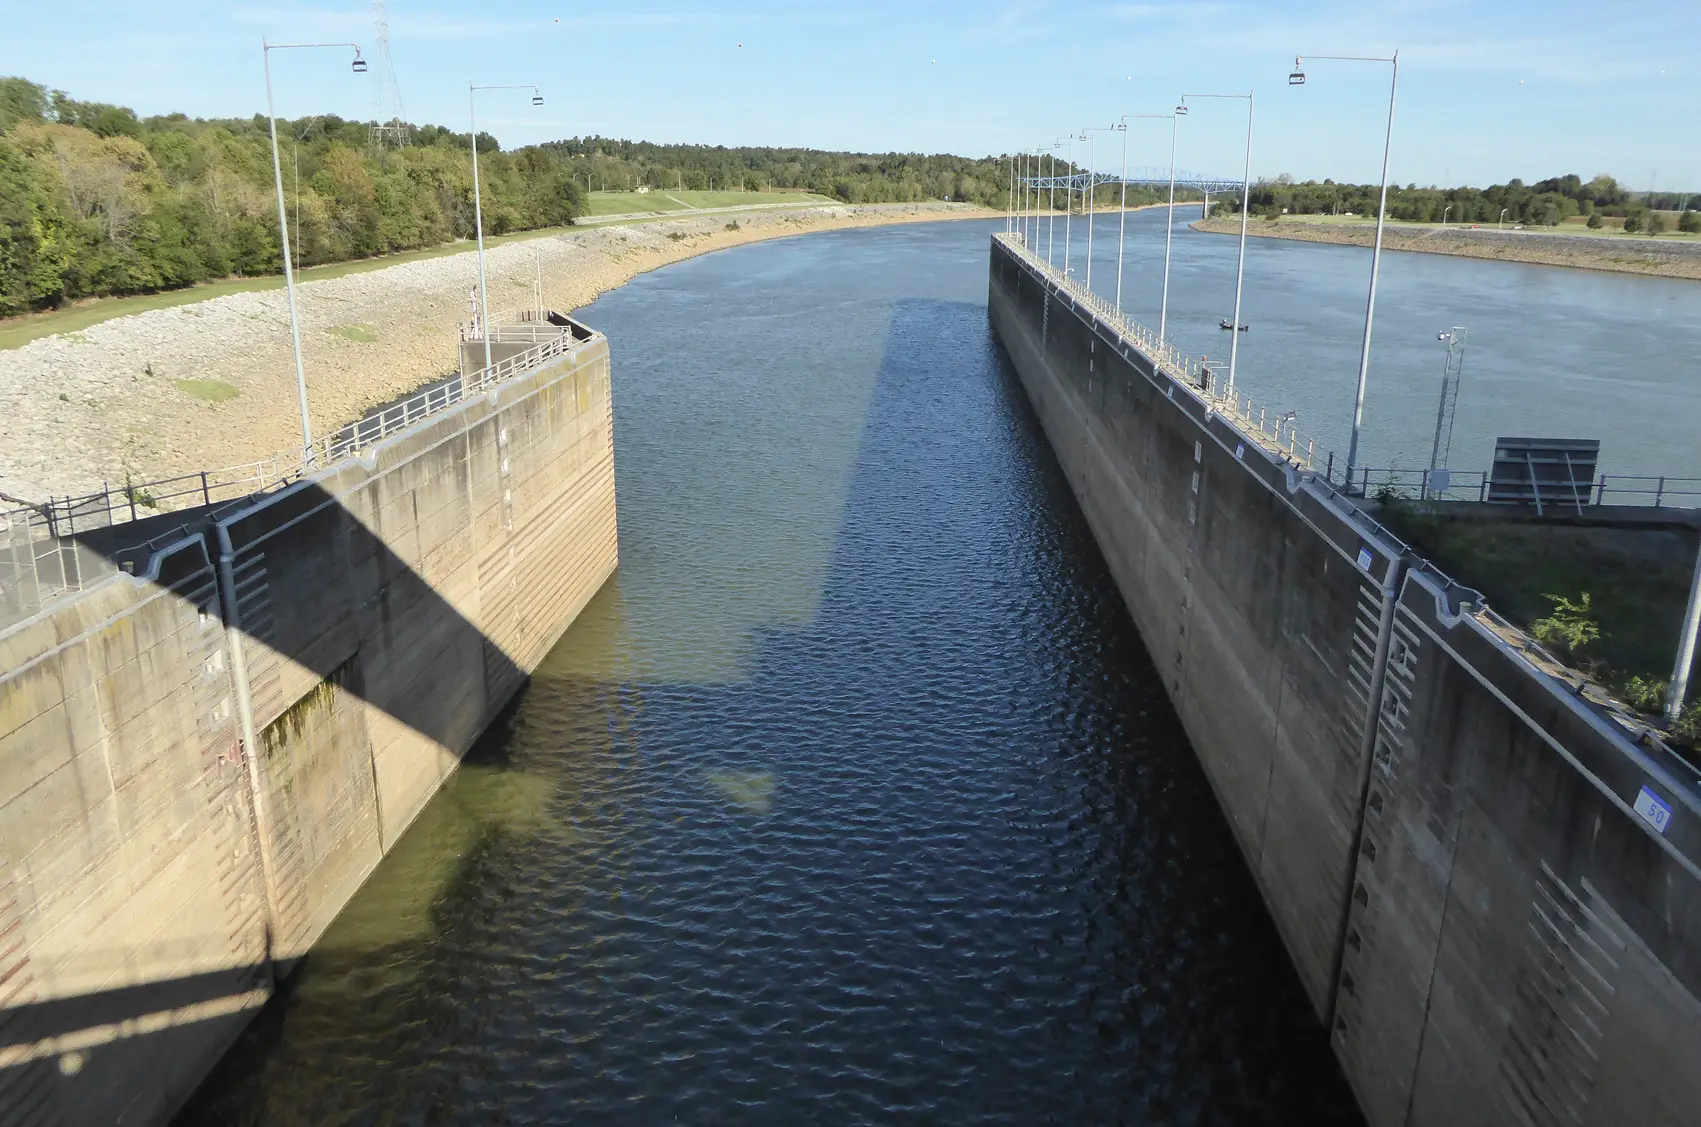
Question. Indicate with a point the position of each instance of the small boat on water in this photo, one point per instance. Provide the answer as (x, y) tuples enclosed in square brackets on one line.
[(1226, 325)]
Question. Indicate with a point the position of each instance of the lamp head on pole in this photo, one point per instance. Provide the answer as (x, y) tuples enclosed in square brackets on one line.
[(1181, 108), (359, 63), (537, 97), (1297, 77)]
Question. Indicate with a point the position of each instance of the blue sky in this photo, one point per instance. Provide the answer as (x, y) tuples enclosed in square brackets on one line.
[(1487, 91)]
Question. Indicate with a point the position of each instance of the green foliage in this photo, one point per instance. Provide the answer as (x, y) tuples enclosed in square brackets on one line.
[(361, 334), (733, 226), (1658, 223), (1547, 202), (1595, 222), (1571, 626), (1644, 694), (1688, 726), (96, 202), (1632, 222), (1690, 223), (20, 100), (208, 391)]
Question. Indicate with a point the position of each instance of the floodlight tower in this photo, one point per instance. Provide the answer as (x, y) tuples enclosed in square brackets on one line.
[(389, 121)]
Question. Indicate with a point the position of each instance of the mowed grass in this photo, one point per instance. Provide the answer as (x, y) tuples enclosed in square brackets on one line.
[(664, 200), (208, 391)]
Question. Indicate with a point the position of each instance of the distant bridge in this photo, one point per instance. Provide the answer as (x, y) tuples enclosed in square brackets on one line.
[(1149, 177)]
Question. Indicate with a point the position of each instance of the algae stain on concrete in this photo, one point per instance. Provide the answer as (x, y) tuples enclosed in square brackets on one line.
[(208, 391)]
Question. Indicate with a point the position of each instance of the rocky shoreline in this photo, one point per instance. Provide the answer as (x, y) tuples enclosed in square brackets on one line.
[(212, 383), (1621, 254)]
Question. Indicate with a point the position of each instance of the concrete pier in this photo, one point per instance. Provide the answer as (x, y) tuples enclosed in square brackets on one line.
[(1487, 883), (200, 763)]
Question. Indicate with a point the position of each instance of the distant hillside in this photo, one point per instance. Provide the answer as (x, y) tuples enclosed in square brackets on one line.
[(95, 201)]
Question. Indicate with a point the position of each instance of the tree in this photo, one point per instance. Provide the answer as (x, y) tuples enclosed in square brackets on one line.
[(1690, 223), (1632, 222), (1595, 221), (20, 100), (1658, 222)]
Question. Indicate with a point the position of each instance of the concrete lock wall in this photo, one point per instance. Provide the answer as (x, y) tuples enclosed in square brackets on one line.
[(1263, 600), (199, 766), (1446, 836)]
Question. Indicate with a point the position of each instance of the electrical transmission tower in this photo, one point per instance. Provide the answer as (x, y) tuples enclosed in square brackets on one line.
[(389, 122), (1439, 454)]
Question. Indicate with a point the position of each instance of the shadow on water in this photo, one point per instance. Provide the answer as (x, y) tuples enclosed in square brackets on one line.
[(934, 849)]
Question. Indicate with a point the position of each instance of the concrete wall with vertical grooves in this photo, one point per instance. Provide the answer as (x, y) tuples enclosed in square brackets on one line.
[(1445, 834), (1261, 598), (1523, 947), (199, 766)]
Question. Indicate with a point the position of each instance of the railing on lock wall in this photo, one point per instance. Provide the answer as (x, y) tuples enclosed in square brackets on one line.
[(1275, 431), (41, 559)]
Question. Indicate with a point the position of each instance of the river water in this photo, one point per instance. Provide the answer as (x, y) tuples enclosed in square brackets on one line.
[(852, 798), (1552, 352)]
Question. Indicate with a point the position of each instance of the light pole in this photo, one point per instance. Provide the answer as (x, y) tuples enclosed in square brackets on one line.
[(1297, 78), (1069, 204), (1051, 220), (266, 50), (1169, 222), (1444, 212), (478, 204), (1245, 202), (1501, 222), (1092, 185)]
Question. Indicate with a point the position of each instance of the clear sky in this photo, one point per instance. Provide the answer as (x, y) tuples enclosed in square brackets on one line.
[(1488, 91)]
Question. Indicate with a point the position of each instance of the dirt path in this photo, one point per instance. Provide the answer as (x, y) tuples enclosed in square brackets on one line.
[(1622, 254), (212, 383)]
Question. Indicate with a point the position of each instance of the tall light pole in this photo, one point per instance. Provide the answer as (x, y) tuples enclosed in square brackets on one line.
[(1297, 78), (478, 204), (1169, 223), (1444, 212), (1092, 186), (1501, 222), (1069, 203), (1052, 206), (266, 50), (1245, 202)]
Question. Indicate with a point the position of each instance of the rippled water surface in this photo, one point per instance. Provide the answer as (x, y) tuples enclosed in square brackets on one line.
[(853, 798)]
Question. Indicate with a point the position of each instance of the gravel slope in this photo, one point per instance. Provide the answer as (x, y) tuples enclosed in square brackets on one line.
[(80, 409)]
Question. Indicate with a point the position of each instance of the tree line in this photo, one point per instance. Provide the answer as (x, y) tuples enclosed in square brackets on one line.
[(1544, 203), (96, 201)]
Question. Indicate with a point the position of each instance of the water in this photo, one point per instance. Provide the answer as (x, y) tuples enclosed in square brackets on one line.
[(1552, 352), (854, 798)]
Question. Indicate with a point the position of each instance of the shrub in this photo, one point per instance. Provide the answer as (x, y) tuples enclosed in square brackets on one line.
[(1631, 223), (1595, 221), (1571, 626), (1658, 222), (1690, 223), (1644, 694), (733, 226)]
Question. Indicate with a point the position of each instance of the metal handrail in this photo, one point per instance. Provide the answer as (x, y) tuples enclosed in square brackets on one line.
[(1608, 489), (38, 552), (1276, 432)]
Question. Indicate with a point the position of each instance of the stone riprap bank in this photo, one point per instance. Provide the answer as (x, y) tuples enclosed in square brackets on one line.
[(201, 764), (1489, 888)]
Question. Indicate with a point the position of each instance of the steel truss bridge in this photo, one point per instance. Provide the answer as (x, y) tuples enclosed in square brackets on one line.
[(1136, 178)]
